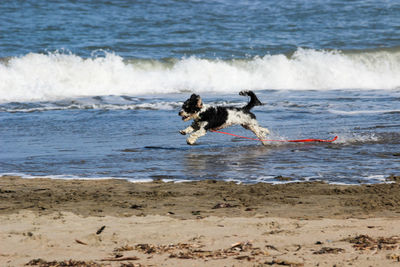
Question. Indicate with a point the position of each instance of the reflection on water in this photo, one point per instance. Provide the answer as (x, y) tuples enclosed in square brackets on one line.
[(225, 163)]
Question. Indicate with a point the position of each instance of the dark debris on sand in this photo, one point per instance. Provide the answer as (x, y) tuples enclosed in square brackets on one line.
[(69, 263), (239, 251), (365, 242), (75, 263), (328, 250)]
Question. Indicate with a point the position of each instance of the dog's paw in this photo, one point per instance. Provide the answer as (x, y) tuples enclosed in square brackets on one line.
[(265, 143), (182, 132), (190, 141)]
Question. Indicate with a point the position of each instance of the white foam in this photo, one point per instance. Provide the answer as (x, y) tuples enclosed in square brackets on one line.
[(52, 106), (73, 177), (61, 177), (360, 112), (347, 138), (54, 76)]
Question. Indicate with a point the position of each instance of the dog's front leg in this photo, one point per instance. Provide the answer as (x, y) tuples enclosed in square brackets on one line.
[(194, 136), (189, 129)]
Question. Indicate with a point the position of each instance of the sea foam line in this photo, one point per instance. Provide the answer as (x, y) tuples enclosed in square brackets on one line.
[(54, 76)]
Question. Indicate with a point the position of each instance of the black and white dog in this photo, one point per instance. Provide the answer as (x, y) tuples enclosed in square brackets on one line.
[(208, 118)]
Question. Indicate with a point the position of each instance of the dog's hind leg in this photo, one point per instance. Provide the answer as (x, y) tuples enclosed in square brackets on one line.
[(265, 130), (260, 132)]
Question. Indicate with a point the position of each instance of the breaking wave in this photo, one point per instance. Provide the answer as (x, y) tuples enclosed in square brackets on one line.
[(55, 76)]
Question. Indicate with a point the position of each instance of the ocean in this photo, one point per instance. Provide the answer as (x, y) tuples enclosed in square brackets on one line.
[(92, 89)]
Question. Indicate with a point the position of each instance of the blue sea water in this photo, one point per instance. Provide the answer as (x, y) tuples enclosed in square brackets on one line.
[(92, 89)]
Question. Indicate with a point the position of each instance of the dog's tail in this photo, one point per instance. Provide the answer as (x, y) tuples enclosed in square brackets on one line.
[(253, 99)]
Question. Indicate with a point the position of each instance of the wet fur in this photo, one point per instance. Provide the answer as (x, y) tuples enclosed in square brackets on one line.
[(206, 118)]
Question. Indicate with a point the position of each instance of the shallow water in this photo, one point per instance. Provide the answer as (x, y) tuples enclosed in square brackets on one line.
[(143, 143), (93, 89)]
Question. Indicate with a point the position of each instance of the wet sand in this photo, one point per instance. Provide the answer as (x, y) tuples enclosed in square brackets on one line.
[(208, 223)]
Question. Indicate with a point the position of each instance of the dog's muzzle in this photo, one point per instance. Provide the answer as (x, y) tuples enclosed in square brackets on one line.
[(184, 116)]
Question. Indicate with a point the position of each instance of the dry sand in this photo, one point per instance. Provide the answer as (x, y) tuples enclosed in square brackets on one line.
[(46, 222)]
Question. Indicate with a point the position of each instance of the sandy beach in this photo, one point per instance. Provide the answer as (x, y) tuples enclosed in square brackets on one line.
[(48, 222), (94, 170)]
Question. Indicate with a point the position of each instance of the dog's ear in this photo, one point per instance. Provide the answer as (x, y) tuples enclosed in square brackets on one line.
[(199, 102), (197, 98)]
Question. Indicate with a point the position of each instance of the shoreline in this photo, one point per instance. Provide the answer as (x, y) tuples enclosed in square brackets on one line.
[(280, 180), (206, 223), (117, 197)]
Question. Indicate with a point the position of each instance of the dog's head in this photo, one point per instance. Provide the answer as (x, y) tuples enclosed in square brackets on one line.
[(191, 107)]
